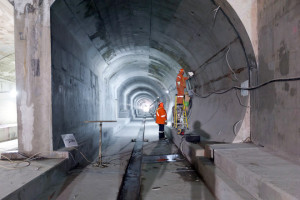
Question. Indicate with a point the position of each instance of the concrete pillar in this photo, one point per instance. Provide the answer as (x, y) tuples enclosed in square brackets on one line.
[(33, 76)]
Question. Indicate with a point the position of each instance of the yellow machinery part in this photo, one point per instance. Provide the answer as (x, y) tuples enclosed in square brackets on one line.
[(178, 131)]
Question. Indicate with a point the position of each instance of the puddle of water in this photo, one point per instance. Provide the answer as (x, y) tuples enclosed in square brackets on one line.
[(162, 158)]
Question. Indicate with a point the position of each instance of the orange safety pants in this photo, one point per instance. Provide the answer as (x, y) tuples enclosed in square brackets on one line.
[(180, 94)]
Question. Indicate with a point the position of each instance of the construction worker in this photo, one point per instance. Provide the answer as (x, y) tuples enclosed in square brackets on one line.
[(181, 85), (161, 119)]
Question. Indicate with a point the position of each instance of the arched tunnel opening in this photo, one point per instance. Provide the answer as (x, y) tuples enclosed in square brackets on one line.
[(91, 76), (115, 59)]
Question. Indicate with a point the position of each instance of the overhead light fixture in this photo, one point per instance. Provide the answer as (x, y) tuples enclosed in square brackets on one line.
[(167, 91)]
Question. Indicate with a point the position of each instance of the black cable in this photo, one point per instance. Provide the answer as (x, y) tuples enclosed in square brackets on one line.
[(203, 97), (268, 82), (249, 88)]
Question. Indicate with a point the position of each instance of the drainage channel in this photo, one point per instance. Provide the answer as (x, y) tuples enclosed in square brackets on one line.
[(131, 184)]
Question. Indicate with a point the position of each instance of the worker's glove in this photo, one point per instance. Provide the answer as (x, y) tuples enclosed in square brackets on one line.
[(191, 74)]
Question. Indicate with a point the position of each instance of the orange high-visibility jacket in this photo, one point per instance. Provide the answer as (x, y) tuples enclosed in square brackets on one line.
[(181, 83), (161, 115)]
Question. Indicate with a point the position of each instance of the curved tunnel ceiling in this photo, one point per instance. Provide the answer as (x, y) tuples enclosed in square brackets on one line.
[(143, 44)]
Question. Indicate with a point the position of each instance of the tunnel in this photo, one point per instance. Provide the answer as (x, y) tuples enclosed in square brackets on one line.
[(90, 77), (111, 59)]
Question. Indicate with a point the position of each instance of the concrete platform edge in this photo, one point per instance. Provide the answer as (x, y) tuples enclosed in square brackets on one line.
[(222, 186), (36, 186)]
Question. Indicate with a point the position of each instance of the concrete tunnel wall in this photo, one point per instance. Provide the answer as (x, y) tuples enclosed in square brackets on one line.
[(99, 48), (76, 83), (275, 109)]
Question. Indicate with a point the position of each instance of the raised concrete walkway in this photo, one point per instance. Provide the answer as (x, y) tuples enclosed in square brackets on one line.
[(264, 175), (27, 182), (243, 171)]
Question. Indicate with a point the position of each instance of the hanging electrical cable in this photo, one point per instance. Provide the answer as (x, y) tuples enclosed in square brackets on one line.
[(240, 102), (248, 88), (235, 125), (215, 14), (234, 74)]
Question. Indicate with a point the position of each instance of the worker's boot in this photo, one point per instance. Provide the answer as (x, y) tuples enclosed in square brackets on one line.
[(161, 135)]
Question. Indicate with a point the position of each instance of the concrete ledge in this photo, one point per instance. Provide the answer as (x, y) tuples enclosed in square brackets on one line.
[(28, 182), (14, 155), (32, 181), (264, 175), (210, 148), (189, 150), (222, 186), (219, 183)]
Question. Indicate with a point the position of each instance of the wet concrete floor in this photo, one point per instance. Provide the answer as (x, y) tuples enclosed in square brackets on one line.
[(165, 174)]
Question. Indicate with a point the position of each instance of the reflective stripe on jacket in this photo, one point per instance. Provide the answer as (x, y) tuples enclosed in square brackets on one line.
[(161, 115)]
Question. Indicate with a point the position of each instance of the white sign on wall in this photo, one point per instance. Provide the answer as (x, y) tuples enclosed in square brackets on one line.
[(245, 84), (69, 140)]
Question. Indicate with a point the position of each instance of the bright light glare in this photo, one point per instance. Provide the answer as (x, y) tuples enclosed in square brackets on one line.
[(13, 93), (167, 91), (146, 108)]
